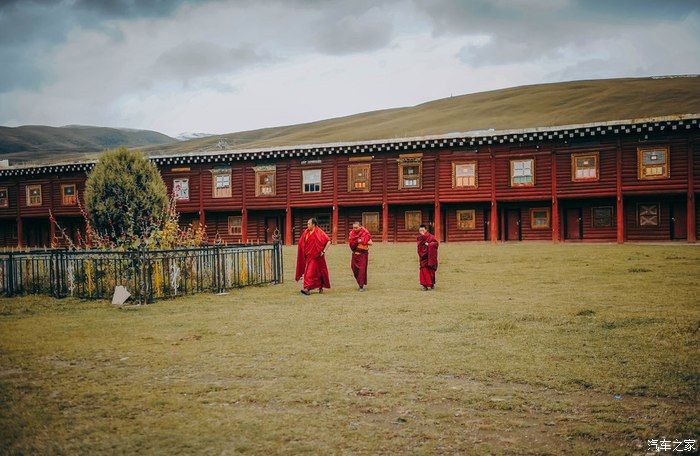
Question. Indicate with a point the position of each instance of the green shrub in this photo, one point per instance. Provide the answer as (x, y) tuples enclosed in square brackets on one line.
[(125, 197)]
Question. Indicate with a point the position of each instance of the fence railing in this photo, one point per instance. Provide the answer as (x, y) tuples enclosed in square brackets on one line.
[(147, 274)]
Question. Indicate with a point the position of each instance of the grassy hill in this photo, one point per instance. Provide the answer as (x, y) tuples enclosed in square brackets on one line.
[(519, 107), (42, 143)]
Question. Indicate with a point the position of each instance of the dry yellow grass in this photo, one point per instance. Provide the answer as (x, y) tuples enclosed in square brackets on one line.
[(539, 105), (519, 350)]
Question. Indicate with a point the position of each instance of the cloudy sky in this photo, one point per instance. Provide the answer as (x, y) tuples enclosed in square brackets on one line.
[(222, 66)]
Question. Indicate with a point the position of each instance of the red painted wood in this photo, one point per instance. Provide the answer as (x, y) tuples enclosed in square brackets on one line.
[(690, 199), (334, 223), (494, 204), (288, 235), (513, 222), (618, 195), (555, 201), (385, 203), (20, 232)]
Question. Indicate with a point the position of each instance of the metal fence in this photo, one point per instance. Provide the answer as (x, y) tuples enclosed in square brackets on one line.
[(147, 274)]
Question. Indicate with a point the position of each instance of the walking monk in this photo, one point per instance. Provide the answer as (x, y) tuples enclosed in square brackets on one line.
[(360, 239), (311, 260), (427, 257)]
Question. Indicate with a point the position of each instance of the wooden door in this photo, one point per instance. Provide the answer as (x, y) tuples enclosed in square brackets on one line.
[(513, 225), (679, 221), (574, 222), (272, 230)]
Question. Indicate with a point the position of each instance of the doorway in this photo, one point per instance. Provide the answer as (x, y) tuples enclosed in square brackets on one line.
[(679, 221), (273, 232), (513, 229), (573, 224)]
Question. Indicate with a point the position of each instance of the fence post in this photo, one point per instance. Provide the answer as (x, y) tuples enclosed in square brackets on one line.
[(10, 274)]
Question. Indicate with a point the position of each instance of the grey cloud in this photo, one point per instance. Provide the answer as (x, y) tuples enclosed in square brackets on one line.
[(523, 30), (353, 34), (192, 60)]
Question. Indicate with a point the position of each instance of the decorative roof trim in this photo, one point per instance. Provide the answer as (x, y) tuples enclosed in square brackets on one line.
[(463, 139)]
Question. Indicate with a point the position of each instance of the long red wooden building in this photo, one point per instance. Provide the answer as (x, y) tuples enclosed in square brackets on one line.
[(628, 180)]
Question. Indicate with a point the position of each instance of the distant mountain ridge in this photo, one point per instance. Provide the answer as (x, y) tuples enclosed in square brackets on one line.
[(40, 142), (541, 105)]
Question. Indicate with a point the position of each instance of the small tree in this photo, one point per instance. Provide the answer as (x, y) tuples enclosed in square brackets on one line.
[(125, 197)]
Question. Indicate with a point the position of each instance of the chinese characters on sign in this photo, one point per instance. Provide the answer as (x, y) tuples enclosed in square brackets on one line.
[(674, 445)]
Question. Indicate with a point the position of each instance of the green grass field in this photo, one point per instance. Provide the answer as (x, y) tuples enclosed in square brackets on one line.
[(521, 349)]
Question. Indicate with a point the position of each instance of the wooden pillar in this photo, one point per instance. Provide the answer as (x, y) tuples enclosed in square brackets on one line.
[(20, 232), (437, 218), (334, 214), (385, 204), (690, 211), (202, 217), (53, 241), (555, 200), (493, 223), (620, 209), (244, 210), (288, 238)]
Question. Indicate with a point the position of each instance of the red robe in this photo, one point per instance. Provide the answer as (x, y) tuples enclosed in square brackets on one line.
[(359, 244), (311, 264), (428, 258)]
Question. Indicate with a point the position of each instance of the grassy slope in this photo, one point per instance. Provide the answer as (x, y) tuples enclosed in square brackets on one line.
[(519, 107), (519, 350), (57, 143)]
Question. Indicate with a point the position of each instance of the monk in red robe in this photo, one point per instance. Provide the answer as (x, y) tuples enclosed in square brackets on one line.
[(428, 257), (359, 239), (311, 260)]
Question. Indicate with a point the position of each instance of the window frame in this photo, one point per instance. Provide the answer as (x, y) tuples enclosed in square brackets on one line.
[(405, 220), (364, 214), (351, 180), (320, 180), (410, 160), (462, 163), (261, 171), (6, 202), (63, 195), (28, 190), (512, 169), (658, 216), (230, 225), (220, 173), (466, 228), (549, 218), (574, 168), (186, 179), (641, 166), (593, 218)]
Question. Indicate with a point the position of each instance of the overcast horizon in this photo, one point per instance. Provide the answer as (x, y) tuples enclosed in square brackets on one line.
[(225, 66)]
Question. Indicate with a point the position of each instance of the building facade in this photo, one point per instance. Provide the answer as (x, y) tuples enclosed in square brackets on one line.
[(618, 181)]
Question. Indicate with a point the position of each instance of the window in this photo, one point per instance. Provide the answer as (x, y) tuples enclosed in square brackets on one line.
[(222, 183), (539, 218), (370, 220), (464, 174), (33, 195), (235, 224), (413, 220), (652, 163), (324, 221), (359, 178), (648, 215), (4, 197), (522, 173), (466, 220), (584, 167), (69, 195), (265, 180), (602, 217), (181, 189), (312, 180), (410, 171)]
